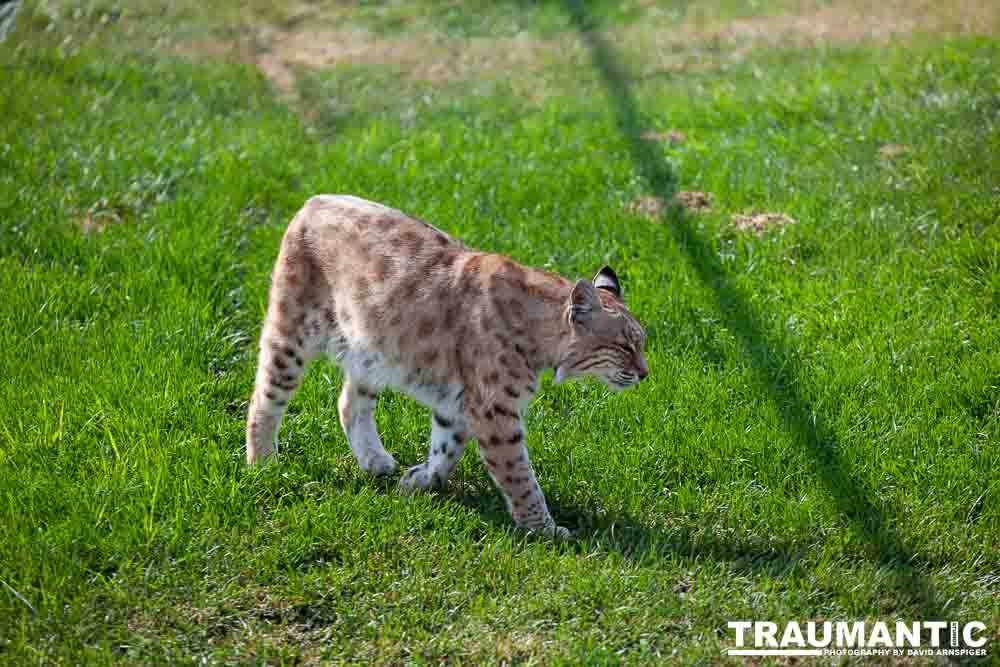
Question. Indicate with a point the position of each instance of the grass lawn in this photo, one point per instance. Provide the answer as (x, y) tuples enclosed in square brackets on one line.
[(818, 437)]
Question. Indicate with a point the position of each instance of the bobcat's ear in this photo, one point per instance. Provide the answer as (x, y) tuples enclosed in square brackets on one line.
[(582, 301), (607, 279)]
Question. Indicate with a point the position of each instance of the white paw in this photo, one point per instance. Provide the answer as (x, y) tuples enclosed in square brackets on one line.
[(419, 479), (552, 531), (560, 533), (381, 465)]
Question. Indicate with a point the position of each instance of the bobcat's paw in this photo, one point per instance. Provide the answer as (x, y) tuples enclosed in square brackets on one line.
[(559, 533), (552, 531), (381, 465), (419, 478)]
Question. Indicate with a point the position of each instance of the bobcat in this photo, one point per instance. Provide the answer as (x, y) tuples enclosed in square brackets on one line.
[(400, 304)]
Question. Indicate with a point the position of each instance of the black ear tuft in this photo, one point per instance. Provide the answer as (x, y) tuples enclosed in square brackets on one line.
[(607, 279)]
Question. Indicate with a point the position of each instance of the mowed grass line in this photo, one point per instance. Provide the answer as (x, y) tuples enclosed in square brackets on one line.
[(134, 531)]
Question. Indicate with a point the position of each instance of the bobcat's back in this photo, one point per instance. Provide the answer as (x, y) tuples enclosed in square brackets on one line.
[(392, 298)]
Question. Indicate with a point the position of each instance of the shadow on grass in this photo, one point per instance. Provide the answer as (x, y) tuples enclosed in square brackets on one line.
[(621, 534), (772, 365)]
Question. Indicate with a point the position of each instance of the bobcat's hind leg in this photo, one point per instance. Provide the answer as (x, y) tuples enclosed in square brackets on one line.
[(280, 368), (357, 407), (300, 320), (449, 435)]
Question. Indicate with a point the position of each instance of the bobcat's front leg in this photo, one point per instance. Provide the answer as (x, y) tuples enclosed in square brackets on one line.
[(501, 435), (449, 436)]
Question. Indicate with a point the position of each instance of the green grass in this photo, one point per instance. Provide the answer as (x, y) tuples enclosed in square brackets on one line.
[(818, 438)]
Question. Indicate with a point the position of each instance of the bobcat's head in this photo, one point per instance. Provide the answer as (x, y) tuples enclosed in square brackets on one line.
[(604, 340)]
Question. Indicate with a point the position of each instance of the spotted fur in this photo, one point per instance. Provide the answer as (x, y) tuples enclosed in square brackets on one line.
[(400, 304)]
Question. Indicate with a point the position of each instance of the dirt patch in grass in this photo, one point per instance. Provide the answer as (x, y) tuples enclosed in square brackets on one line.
[(423, 57), (279, 73), (648, 207), (893, 151), (851, 23), (430, 57), (672, 137), (211, 49), (759, 223), (95, 221), (247, 50), (653, 208), (695, 201)]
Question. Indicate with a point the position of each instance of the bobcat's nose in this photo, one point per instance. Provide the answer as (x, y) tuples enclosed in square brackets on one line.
[(642, 372)]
